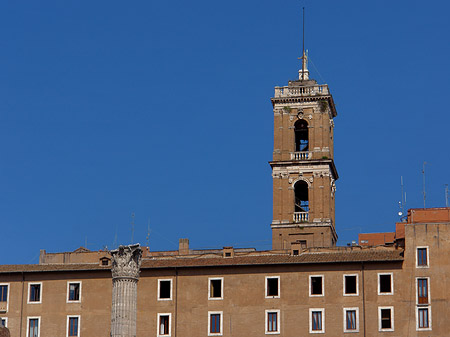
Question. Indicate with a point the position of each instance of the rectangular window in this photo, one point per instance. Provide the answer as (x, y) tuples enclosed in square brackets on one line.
[(216, 288), (3, 293), (423, 319), (272, 322), (34, 292), (73, 291), (215, 324), (164, 327), (4, 288), (386, 318), (165, 290), (422, 257), (316, 320), (351, 319), (385, 284), (73, 326), (350, 285), (4, 322), (422, 291), (316, 285), (272, 286), (33, 327)]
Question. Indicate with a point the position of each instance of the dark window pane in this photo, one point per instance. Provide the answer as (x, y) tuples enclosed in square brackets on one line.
[(272, 286), (350, 284), (164, 289), (385, 284), (316, 285)]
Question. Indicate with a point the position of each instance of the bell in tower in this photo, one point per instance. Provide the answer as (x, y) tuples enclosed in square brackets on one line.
[(303, 168)]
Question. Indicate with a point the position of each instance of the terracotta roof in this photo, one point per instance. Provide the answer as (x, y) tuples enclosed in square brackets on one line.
[(346, 256), (30, 268), (373, 255)]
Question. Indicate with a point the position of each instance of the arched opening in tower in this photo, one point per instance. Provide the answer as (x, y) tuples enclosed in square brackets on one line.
[(301, 136), (301, 197)]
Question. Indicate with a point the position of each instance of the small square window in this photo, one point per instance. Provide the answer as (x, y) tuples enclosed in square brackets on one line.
[(272, 286), (164, 328), (295, 252), (386, 318), (423, 318), (385, 284), (215, 323), (272, 322), (351, 319), (216, 288), (316, 285), (350, 285), (316, 320), (73, 326), (33, 327), (165, 290), (73, 291), (34, 292), (422, 257)]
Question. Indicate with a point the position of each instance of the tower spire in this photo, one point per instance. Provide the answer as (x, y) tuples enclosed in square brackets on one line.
[(303, 74)]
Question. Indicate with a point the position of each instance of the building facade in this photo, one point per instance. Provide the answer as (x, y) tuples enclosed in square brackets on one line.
[(304, 286)]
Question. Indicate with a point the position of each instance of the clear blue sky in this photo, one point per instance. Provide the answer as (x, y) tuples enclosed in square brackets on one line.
[(162, 108)]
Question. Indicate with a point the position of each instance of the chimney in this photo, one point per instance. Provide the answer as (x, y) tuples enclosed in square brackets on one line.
[(228, 252), (183, 248)]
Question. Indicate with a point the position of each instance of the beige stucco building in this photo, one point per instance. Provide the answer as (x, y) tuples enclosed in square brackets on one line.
[(304, 286)]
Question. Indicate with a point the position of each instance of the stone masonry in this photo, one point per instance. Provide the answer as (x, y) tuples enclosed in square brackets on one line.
[(125, 270)]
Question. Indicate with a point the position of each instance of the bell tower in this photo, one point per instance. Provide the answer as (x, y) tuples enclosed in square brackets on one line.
[(303, 168)]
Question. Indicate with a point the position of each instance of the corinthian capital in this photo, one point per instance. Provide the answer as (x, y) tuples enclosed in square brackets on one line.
[(126, 261)]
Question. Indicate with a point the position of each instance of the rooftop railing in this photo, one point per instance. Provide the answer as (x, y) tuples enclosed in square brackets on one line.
[(301, 91)]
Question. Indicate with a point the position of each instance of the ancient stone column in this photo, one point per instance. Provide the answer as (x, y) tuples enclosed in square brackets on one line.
[(126, 263)]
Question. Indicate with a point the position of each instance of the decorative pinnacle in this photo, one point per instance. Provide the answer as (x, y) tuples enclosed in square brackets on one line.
[(303, 74)]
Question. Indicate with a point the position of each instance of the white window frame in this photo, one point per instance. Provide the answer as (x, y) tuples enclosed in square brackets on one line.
[(277, 311), (429, 318), (345, 319), (392, 283), (68, 292), (6, 321), (40, 294), (159, 323), (379, 319), (7, 295), (310, 286), (266, 288), (79, 324), (209, 323), (428, 257), (159, 289), (28, 324), (357, 285), (209, 288), (311, 310), (417, 292)]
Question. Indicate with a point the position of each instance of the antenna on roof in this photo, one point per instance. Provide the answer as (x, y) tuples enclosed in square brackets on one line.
[(424, 193), (115, 239), (132, 228), (400, 203), (446, 195), (148, 233)]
